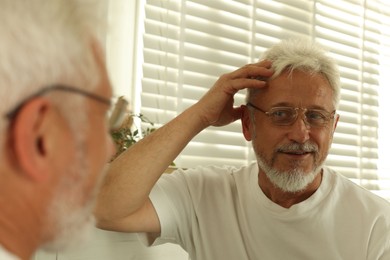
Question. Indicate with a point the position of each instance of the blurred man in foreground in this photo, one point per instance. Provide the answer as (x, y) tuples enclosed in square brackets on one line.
[(54, 132)]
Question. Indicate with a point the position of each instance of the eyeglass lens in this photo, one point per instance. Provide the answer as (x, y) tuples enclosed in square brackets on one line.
[(288, 115), (118, 113)]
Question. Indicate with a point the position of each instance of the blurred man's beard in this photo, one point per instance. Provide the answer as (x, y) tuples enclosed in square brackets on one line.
[(71, 218), (294, 179), (74, 227)]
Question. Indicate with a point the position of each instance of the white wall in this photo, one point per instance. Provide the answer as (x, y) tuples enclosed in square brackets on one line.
[(121, 44), (106, 245)]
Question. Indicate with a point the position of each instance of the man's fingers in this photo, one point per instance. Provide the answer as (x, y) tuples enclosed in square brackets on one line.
[(253, 71), (243, 83), (264, 63)]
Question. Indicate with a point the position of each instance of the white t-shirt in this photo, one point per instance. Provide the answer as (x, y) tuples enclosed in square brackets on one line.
[(222, 214), (5, 255)]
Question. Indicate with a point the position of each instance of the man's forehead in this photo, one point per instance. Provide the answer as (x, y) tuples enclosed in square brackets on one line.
[(292, 88)]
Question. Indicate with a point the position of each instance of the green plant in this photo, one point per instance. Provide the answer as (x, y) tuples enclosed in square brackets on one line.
[(126, 135)]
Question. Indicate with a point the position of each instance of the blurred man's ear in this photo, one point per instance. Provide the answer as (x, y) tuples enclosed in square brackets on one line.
[(246, 123), (29, 141)]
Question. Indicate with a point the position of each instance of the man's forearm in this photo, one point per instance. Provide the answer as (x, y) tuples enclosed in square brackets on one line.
[(133, 174)]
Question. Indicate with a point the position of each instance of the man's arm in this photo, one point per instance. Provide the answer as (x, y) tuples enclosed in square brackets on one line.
[(123, 203)]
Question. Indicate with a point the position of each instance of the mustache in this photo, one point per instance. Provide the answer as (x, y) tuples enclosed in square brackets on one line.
[(307, 147)]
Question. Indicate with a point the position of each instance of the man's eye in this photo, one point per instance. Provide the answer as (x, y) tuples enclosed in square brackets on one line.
[(314, 115), (283, 113)]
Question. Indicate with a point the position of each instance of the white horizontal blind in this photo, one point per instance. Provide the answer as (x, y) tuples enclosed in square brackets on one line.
[(352, 31), (188, 44), (383, 62)]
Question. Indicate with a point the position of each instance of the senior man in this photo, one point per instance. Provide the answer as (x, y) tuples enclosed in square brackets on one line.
[(286, 205)]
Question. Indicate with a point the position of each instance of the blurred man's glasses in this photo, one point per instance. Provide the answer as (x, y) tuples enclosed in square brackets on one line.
[(284, 116), (119, 110)]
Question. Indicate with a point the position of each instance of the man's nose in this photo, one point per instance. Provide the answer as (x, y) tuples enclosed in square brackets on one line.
[(300, 129)]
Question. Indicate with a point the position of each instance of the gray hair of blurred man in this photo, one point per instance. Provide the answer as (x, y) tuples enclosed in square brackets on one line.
[(304, 55), (45, 43)]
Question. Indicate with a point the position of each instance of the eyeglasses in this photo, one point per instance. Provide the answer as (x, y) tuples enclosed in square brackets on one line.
[(119, 110), (284, 116)]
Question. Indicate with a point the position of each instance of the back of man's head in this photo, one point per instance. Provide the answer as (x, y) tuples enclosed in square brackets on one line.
[(45, 43), (47, 186)]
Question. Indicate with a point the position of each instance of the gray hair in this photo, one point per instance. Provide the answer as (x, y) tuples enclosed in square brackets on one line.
[(44, 43), (304, 55)]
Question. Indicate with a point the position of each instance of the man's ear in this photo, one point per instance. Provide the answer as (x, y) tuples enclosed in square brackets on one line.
[(334, 126), (29, 142), (246, 123), (337, 117)]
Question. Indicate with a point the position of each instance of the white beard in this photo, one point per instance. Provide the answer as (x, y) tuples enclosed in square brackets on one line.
[(73, 229), (292, 180), (71, 221)]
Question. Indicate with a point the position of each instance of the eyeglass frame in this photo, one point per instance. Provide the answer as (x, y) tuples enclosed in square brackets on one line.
[(59, 87), (327, 115)]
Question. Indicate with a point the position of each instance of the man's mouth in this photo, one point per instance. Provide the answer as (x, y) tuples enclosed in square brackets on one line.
[(297, 152)]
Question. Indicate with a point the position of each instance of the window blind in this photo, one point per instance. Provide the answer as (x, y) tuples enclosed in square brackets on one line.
[(186, 45)]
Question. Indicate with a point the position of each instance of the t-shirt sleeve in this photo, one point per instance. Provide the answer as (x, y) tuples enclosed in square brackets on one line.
[(170, 194)]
